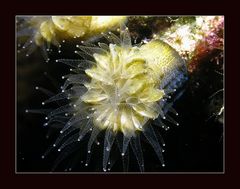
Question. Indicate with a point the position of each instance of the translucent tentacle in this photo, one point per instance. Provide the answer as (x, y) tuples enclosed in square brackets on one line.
[(125, 160), (108, 142), (79, 118), (45, 91), (151, 137), (91, 50), (70, 93), (38, 111), (126, 141), (62, 109), (170, 119), (69, 141), (66, 152), (103, 46), (137, 149), (125, 38), (63, 135), (84, 129)]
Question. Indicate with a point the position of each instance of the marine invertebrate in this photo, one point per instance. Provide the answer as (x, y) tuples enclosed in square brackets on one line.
[(56, 29), (119, 89)]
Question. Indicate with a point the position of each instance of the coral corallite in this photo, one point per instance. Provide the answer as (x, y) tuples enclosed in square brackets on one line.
[(124, 89)]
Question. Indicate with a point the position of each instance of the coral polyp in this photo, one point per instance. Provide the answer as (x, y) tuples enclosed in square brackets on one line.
[(124, 88), (119, 89), (53, 30)]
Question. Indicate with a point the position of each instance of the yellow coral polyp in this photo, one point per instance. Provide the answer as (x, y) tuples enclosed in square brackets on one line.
[(47, 30), (124, 88), (72, 26), (55, 28), (102, 23)]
